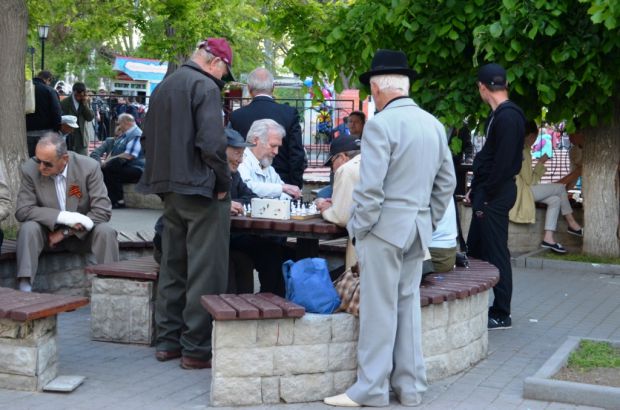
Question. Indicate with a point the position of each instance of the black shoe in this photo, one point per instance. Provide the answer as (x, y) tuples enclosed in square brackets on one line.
[(555, 247), (576, 232), (497, 323)]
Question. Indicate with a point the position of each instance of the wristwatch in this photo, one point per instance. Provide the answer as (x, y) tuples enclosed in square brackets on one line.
[(66, 233)]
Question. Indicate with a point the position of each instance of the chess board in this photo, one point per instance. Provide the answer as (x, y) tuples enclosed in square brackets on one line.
[(305, 217)]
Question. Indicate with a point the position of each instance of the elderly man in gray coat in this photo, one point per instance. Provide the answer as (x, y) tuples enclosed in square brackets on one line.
[(406, 183)]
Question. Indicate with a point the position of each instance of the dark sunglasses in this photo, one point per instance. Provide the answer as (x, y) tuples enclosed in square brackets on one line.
[(46, 164)]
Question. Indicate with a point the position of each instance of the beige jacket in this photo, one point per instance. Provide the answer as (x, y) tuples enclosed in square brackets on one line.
[(345, 179), (524, 209)]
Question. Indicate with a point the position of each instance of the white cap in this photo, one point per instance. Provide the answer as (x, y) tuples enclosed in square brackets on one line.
[(70, 120)]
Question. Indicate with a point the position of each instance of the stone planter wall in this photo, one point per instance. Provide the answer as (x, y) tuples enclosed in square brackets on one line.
[(527, 237), (307, 359), (62, 272), (28, 353)]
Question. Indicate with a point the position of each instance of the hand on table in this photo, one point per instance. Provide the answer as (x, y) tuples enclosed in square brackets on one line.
[(322, 204), (236, 208), (292, 190)]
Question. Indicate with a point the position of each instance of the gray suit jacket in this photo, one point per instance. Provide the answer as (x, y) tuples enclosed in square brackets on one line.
[(406, 176), (37, 200)]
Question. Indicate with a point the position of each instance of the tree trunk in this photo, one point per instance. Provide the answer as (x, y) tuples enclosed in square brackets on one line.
[(601, 156), (13, 30)]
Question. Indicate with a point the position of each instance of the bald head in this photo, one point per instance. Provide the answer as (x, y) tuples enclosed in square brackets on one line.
[(260, 81)]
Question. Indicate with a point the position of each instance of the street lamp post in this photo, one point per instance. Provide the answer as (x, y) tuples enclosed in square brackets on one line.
[(43, 32), (31, 51)]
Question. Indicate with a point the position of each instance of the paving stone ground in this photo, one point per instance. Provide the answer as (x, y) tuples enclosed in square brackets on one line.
[(548, 306)]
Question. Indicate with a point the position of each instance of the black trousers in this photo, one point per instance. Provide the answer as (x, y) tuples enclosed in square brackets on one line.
[(115, 174), (267, 253), (488, 240)]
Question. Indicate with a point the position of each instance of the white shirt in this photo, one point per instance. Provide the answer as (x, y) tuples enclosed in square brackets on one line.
[(60, 181), (264, 182), (445, 235)]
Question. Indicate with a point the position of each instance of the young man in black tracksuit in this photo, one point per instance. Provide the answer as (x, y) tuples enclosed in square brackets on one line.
[(493, 190)]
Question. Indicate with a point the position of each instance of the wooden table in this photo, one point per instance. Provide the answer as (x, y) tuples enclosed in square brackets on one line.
[(307, 232)]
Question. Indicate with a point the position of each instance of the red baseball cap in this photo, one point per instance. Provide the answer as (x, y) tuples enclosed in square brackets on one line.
[(219, 47)]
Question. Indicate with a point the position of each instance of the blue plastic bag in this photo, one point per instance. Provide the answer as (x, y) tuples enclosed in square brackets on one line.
[(308, 284)]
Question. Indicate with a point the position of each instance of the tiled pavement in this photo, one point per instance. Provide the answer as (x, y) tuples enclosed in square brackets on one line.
[(548, 306)]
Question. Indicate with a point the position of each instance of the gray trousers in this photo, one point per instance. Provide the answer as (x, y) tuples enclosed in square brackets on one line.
[(194, 262), (554, 195), (32, 240), (389, 349)]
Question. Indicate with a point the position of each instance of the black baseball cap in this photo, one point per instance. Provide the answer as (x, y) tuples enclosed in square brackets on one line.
[(234, 139), (492, 74), (343, 143)]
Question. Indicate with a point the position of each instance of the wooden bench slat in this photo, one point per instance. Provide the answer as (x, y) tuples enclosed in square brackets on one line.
[(48, 308), (267, 309), (290, 309), (243, 308), (218, 308), (15, 299)]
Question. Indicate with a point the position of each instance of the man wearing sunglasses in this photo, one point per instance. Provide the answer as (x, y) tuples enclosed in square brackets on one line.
[(62, 203)]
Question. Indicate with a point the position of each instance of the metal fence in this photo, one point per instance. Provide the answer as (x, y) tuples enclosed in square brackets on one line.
[(318, 125)]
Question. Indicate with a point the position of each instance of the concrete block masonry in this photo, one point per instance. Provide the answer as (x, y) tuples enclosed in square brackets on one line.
[(301, 360), (28, 353)]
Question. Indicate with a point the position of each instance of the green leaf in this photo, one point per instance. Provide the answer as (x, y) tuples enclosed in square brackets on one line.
[(495, 29), (550, 30), (509, 4), (515, 45), (532, 33), (453, 35)]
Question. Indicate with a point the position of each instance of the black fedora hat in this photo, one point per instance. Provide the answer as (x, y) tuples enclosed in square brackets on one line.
[(388, 62)]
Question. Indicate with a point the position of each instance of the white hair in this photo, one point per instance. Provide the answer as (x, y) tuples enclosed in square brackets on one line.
[(125, 117), (260, 80), (395, 82), (261, 129)]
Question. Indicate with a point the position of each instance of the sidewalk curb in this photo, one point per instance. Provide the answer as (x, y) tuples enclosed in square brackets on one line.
[(542, 387), (532, 261)]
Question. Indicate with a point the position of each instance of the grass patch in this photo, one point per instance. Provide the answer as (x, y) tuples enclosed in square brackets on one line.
[(578, 257), (592, 354)]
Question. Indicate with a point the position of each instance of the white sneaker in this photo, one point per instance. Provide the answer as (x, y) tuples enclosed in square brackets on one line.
[(341, 400), (24, 285)]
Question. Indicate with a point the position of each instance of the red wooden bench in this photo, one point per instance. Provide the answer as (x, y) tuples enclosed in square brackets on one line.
[(144, 268), (22, 306), (250, 306)]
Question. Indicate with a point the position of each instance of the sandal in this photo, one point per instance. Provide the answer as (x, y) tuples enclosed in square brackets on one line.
[(555, 247)]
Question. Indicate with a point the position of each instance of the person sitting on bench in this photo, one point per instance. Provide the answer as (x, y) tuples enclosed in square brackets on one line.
[(529, 190), (441, 255), (62, 203)]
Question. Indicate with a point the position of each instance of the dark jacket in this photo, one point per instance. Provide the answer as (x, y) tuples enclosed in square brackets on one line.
[(291, 159), (500, 158), (239, 191), (184, 144), (47, 108)]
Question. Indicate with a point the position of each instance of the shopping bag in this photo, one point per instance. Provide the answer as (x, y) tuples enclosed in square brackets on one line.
[(308, 284)]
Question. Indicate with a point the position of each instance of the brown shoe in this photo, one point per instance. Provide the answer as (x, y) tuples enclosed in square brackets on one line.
[(193, 363), (165, 355)]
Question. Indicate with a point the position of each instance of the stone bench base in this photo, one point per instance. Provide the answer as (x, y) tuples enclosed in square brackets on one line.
[(134, 199), (122, 310), (28, 353), (309, 358)]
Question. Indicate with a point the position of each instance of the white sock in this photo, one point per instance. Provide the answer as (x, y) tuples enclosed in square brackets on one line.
[(24, 285)]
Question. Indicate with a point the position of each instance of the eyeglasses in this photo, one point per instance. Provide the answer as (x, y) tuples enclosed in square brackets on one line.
[(46, 164)]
